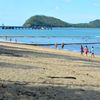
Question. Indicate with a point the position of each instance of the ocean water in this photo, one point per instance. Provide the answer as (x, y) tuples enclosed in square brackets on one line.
[(69, 36)]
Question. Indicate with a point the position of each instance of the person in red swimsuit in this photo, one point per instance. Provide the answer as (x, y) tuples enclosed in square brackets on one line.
[(86, 50)]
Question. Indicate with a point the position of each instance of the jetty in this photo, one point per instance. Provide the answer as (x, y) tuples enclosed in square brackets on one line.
[(22, 27)]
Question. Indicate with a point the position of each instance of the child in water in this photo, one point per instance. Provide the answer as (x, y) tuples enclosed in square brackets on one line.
[(92, 51)]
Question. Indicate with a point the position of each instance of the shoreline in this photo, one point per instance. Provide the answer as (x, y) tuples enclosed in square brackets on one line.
[(30, 72), (33, 46)]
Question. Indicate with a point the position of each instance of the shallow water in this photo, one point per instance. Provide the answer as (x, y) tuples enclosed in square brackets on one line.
[(56, 35)]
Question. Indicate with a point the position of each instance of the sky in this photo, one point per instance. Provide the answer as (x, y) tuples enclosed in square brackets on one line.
[(16, 12)]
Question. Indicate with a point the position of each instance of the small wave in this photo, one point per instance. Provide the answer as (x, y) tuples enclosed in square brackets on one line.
[(98, 36)]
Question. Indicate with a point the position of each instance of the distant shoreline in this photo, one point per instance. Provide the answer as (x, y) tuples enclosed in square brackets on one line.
[(38, 44)]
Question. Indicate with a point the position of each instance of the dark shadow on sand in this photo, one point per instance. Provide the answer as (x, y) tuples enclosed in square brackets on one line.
[(12, 51), (10, 90), (20, 66)]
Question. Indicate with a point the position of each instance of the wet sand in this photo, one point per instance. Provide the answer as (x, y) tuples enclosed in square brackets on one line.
[(35, 73)]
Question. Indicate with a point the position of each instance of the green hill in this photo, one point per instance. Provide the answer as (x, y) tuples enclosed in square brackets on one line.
[(95, 23), (91, 24), (45, 21)]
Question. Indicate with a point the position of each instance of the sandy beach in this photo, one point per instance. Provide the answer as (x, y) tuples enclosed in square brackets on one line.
[(30, 72)]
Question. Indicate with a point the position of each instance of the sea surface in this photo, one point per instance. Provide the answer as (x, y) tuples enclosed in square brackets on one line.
[(72, 37)]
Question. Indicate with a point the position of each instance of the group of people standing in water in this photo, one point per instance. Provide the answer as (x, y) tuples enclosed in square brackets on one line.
[(10, 39), (85, 50)]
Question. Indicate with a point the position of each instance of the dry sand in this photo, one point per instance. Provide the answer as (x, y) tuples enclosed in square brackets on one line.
[(35, 73)]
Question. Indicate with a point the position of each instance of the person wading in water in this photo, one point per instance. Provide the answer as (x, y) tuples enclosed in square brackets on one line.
[(62, 45), (92, 52), (86, 50), (82, 50)]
